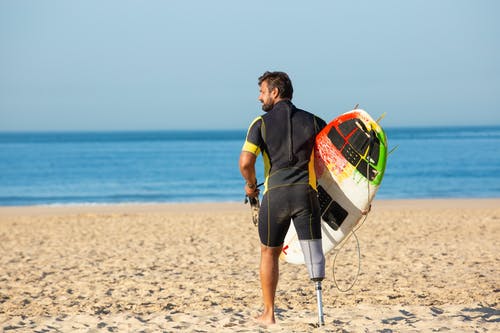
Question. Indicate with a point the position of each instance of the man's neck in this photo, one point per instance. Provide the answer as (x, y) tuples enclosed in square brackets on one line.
[(280, 100)]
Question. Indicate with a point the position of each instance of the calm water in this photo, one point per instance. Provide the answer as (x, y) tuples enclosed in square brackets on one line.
[(189, 166)]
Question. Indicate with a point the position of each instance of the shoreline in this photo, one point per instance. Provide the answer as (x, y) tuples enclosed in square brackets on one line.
[(233, 206)]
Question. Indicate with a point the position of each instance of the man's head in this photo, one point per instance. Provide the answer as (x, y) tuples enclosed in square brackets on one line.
[(274, 87)]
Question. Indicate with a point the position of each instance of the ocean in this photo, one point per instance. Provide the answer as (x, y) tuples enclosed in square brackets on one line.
[(202, 166)]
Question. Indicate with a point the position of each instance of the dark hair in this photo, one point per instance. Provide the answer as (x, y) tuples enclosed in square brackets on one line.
[(278, 80)]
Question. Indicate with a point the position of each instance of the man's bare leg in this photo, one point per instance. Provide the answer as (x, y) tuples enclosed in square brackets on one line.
[(269, 275)]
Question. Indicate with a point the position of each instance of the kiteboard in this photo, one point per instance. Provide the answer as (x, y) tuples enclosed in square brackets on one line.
[(350, 158)]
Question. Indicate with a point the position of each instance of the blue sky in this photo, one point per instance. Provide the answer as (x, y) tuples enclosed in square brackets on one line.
[(154, 65)]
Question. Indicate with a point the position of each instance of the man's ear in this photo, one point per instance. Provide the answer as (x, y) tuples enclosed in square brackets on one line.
[(275, 93)]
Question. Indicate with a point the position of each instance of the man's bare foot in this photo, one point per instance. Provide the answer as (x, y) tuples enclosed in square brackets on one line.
[(265, 319)]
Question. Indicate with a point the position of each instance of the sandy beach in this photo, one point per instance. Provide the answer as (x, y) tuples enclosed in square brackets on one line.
[(426, 266)]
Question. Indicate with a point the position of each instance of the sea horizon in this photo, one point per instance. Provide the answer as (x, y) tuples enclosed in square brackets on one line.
[(209, 130)]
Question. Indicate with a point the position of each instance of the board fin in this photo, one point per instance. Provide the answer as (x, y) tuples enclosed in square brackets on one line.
[(381, 117), (392, 150)]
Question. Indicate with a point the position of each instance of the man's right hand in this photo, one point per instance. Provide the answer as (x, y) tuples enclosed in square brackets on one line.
[(251, 190)]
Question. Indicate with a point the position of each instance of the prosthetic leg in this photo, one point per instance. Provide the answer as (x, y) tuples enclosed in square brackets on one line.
[(315, 262)]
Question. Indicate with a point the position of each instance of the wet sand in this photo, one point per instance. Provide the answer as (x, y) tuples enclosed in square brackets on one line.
[(426, 265)]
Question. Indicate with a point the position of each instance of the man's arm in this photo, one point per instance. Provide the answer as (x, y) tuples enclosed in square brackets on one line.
[(247, 169)]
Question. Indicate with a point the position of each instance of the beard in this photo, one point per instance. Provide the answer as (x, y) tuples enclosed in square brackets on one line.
[(267, 107)]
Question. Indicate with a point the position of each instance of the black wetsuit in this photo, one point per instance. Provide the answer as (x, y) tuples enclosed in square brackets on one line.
[(285, 135)]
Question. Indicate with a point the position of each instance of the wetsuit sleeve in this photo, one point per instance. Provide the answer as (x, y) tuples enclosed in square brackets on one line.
[(254, 140)]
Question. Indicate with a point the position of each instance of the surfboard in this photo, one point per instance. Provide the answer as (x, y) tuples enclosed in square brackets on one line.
[(350, 157)]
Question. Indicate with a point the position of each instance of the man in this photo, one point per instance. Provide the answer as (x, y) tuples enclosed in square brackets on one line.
[(285, 135)]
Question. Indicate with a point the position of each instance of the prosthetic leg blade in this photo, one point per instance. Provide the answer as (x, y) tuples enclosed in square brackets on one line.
[(315, 262), (319, 297)]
